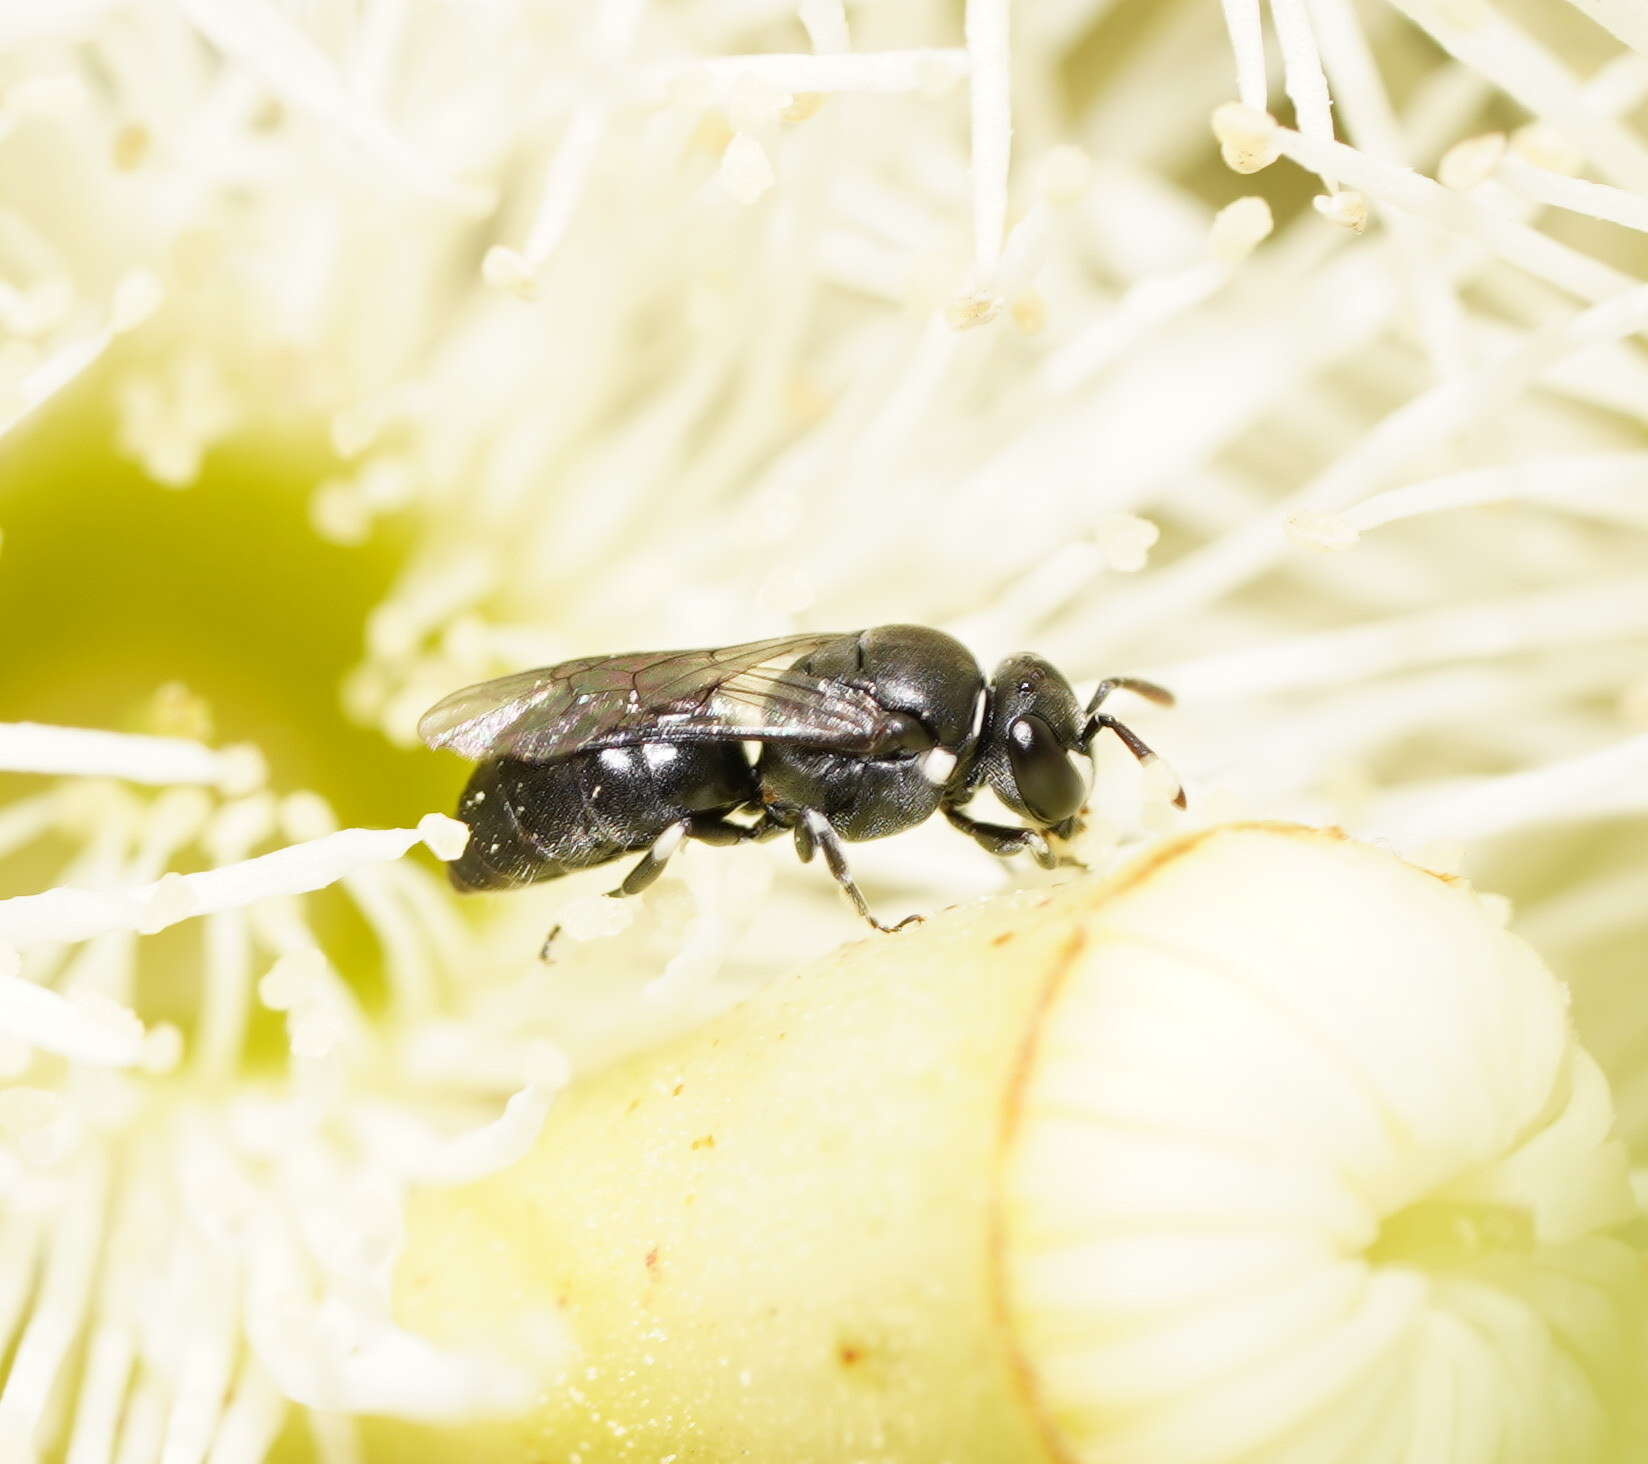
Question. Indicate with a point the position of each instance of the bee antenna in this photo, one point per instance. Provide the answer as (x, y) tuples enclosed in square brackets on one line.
[(1098, 721), (1135, 684)]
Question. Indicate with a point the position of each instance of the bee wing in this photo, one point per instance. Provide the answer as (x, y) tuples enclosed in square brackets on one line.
[(731, 693)]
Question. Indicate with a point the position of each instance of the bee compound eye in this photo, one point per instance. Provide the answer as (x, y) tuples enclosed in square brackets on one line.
[(1050, 788)]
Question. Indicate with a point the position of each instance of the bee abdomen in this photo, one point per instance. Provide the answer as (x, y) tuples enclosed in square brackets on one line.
[(524, 827)]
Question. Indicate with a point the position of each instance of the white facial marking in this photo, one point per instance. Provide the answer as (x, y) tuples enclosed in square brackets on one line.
[(937, 766), (978, 716), (1085, 768), (668, 841)]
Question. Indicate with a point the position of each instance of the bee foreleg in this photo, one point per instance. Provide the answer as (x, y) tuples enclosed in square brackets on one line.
[(1003, 840), (820, 833)]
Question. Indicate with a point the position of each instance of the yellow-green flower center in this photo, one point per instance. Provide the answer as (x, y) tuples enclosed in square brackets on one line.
[(115, 587)]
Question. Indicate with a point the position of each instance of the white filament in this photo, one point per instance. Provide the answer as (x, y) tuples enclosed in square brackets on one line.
[(74, 914), (27, 747)]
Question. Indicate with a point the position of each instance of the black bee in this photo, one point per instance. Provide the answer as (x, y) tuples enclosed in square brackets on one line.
[(830, 737)]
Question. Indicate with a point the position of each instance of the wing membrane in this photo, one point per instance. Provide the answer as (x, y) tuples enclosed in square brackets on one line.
[(735, 692)]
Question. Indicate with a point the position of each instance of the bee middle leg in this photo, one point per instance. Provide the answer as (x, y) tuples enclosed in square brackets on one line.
[(813, 832), (1004, 841), (712, 828)]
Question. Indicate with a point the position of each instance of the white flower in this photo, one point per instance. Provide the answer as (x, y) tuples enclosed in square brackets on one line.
[(351, 353)]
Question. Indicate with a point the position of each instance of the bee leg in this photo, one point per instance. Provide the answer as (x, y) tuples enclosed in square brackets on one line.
[(1005, 841), (805, 844), (651, 864), (771, 823), (816, 831), (712, 828), (647, 869)]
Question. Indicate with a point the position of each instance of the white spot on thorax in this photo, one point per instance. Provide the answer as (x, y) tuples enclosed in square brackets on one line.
[(937, 766), (978, 714), (658, 755)]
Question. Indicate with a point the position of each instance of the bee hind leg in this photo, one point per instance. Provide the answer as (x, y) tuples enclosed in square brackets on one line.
[(651, 864), (641, 876)]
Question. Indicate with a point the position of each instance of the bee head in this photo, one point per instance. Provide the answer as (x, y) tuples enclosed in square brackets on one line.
[(1033, 751)]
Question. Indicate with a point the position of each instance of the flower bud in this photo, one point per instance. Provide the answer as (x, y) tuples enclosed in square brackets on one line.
[(1271, 1144)]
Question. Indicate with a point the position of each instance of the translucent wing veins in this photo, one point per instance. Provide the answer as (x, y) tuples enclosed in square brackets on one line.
[(738, 692)]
